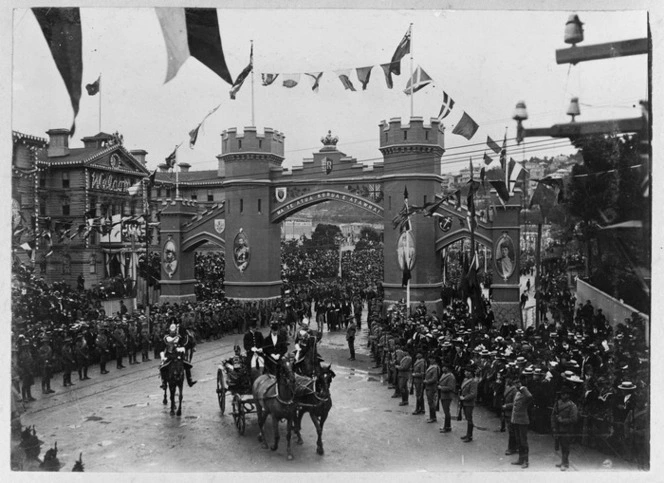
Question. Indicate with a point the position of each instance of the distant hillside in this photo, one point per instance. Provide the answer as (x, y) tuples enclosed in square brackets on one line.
[(336, 212)]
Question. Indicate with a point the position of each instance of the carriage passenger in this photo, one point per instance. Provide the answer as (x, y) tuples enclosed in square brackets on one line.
[(174, 345)]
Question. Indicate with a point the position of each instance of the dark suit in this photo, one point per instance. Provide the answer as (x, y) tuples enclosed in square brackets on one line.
[(253, 339), (270, 347)]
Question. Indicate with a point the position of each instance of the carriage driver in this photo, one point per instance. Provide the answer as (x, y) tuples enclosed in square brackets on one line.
[(173, 345)]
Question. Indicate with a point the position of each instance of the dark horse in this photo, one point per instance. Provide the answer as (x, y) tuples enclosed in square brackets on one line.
[(175, 380), (313, 397), (274, 396)]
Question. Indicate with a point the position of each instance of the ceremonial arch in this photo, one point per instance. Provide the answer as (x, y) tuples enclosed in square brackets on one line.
[(260, 194)]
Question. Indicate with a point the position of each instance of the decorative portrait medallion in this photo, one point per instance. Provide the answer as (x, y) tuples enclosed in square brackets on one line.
[(241, 252)]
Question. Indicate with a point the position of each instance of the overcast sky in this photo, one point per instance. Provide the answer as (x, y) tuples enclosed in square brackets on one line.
[(485, 60)]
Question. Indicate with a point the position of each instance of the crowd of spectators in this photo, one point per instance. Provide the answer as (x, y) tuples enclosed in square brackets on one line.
[(605, 370)]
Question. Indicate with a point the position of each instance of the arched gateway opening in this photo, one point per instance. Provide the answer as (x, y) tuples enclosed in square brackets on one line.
[(260, 195)]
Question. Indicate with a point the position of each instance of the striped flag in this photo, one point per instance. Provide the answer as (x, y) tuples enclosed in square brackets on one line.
[(516, 172), (446, 108), (493, 145), (192, 32)]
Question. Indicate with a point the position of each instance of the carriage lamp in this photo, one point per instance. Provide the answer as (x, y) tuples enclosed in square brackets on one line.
[(573, 109), (573, 30), (520, 115)]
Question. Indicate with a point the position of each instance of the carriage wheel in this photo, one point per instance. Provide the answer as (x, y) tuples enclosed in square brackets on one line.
[(239, 414), (221, 390)]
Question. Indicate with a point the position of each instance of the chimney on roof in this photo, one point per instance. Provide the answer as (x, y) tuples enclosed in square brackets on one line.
[(184, 167), (163, 167), (139, 154), (58, 143)]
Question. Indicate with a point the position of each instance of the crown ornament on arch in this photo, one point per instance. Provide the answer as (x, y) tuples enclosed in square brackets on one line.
[(329, 140)]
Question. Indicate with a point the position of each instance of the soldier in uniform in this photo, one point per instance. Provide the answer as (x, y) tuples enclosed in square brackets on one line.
[(26, 367), (431, 387), (145, 344), (103, 346), (404, 367), (418, 382), (173, 344), (467, 397), (120, 341), (82, 356), (132, 344), (563, 420), (68, 362), (46, 364)]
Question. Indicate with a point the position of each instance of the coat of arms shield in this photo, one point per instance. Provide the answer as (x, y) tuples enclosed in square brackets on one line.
[(280, 194), (219, 225)]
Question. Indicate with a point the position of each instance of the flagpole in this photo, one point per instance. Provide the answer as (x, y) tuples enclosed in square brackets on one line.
[(100, 94), (406, 260), (252, 84), (507, 178), (412, 83), (177, 183)]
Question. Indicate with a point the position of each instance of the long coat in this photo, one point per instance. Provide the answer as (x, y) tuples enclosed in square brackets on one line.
[(522, 400)]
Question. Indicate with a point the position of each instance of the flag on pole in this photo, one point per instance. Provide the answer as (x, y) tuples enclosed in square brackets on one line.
[(446, 108), (516, 172), (363, 75), (402, 49), (503, 155), (243, 75), (345, 79), (493, 145), (193, 134), (291, 80), (93, 88), (388, 75), (134, 189), (315, 80), (62, 30), (151, 179), (192, 32), (466, 127), (419, 80), (268, 78), (172, 158), (407, 251)]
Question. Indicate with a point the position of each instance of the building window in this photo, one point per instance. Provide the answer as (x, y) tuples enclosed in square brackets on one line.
[(42, 209), (405, 135), (66, 265), (93, 264), (239, 143), (260, 144), (425, 199), (210, 195), (42, 182), (259, 206), (241, 205), (389, 202), (158, 192), (426, 135), (168, 192), (194, 197), (65, 180), (65, 209), (385, 137)]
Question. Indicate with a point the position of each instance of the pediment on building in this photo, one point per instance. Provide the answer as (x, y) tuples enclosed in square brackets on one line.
[(117, 158)]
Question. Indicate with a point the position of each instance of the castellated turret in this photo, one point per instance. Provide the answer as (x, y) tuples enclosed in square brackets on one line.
[(397, 133), (242, 153)]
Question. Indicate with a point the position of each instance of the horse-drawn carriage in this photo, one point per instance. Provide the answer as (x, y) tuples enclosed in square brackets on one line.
[(288, 395), (234, 377)]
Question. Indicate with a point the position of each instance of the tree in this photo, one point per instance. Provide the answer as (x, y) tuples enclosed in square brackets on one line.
[(326, 235), (369, 238)]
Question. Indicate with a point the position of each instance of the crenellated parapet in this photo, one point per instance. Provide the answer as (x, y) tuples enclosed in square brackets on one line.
[(397, 136), (250, 140)]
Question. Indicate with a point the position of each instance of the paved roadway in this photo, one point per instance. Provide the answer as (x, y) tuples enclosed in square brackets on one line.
[(119, 423)]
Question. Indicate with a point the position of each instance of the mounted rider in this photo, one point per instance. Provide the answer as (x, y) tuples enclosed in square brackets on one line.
[(174, 347)]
